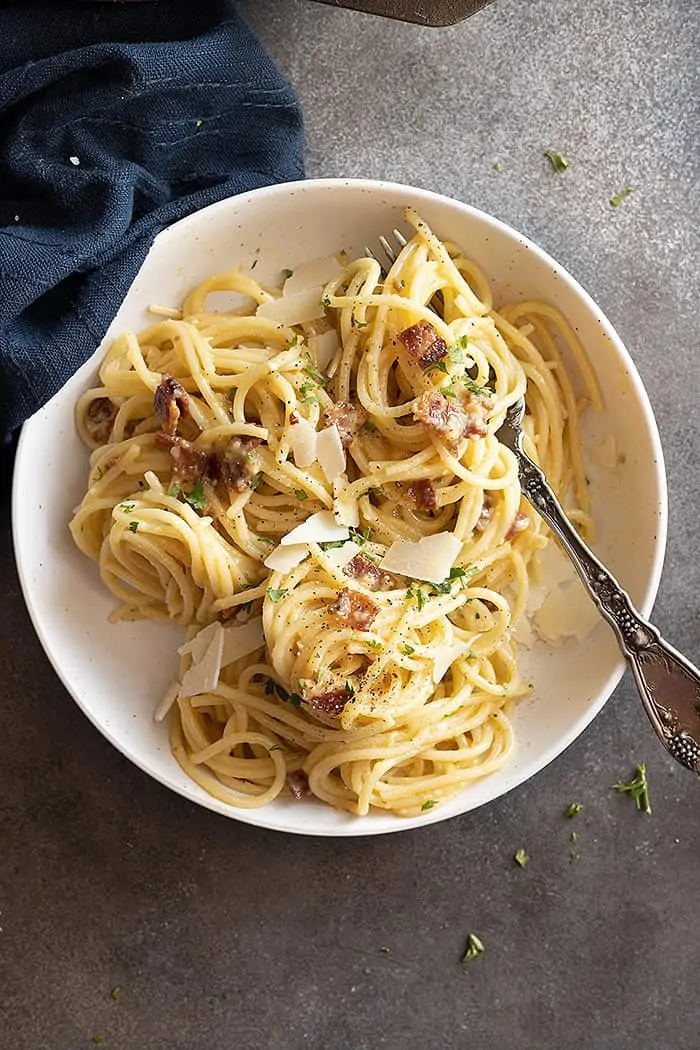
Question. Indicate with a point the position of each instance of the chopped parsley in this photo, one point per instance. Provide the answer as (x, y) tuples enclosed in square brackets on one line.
[(357, 324), (428, 804), (574, 836), (436, 366), (360, 537), (374, 644), (349, 688), (287, 274), (127, 507), (637, 789), (308, 397), (133, 526), (97, 1039), (300, 494), (556, 160), (417, 593), (276, 595), (456, 353), (497, 165), (325, 301), (456, 573), (474, 947), (617, 200), (174, 490), (408, 650), (116, 993), (197, 497), (256, 479), (520, 857), (313, 372), (574, 858), (573, 808), (99, 474)]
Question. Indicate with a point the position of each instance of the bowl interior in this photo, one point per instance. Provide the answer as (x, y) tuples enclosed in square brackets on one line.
[(117, 673)]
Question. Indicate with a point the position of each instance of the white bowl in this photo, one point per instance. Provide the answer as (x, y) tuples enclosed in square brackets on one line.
[(118, 673)]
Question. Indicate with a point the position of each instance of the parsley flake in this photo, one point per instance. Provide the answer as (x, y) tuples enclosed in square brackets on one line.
[(174, 490), (300, 494), (360, 537), (276, 595), (133, 526), (417, 593), (408, 650), (574, 858), (520, 857), (617, 200), (497, 165), (197, 497), (325, 301), (115, 993), (313, 372), (127, 507), (308, 397), (556, 160), (474, 947), (637, 789), (573, 808), (428, 804), (374, 644)]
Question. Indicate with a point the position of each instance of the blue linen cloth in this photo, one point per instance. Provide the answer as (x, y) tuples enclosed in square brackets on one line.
[(115, 121)]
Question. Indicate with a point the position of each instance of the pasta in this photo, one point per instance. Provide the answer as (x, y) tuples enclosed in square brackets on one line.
[(312, 484)]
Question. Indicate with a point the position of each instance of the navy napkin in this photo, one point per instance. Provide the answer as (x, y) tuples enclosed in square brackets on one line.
[(115, 121)]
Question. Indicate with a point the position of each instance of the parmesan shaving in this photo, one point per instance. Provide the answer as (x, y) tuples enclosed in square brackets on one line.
[(303, 441), (445, 657), (241, 639), (339, 557), (167, 702), (294, 309), (326, 348), (284, 559), (198, 645), (319, 528), (311, 275), (330, 452), (203, 676), (430, 559)]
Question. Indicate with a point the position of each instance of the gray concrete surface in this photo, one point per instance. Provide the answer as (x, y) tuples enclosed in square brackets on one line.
[(222, 937)]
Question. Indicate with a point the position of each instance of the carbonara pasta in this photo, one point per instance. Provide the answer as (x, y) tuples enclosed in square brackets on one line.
[(313, 486)]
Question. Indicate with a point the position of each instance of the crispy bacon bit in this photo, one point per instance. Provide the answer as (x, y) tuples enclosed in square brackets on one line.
[(99, 419), (170, 401), (347, 417), (332, 703), (454, 418), (423, 492), (363, 569), (423, 343), (189, 462), (520, 523), (235, 464), (486, 513), (355, 609), (298, 784)]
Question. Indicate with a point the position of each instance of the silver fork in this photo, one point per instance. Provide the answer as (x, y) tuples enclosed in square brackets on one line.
[(668, 684)]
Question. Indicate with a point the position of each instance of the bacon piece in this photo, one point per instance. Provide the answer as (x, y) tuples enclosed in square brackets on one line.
[(454, 418), (423, 492), (520, 523), (355, 609), (486, 512), (99, 419), (298, 784), (363, 569), (332, 703), (423, 343), (189, 462), (347, 417), (235, 464), (170, 401)]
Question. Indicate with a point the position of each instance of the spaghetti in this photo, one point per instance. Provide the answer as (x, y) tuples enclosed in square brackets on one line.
[(366, 657)]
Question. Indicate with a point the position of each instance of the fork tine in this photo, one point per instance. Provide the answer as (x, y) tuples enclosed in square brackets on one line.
[(387, 249)]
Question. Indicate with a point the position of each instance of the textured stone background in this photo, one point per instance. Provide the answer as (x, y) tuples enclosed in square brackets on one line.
[(222, 937)]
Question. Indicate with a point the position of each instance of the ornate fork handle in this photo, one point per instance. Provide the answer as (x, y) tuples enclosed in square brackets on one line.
[(668, 684)]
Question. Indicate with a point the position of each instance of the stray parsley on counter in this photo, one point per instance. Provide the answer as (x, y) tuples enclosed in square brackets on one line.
[(617, 200), (573, 808), (556, 160), (520, 857), (474, 947), (637, 789)]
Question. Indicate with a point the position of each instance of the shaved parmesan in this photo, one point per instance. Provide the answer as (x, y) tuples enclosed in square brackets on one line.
[(198, 645), (430, 559), (203, 676), (326, 348), (339, 557), (303, 439), (311, 275), (319, 528), (566, 613), (294, 309), (330, 452), (445, 657), (284, 559), (241, 639), (167, 702)]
